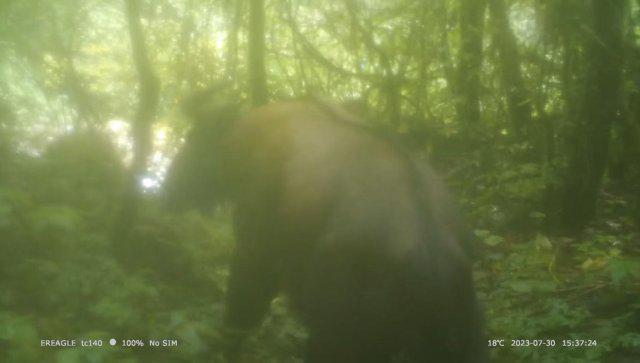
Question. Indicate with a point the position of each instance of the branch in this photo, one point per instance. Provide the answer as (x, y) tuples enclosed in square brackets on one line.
[(149, 90), (317, 56), (367, 37)]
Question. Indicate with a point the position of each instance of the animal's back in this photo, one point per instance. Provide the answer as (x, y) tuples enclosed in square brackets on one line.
[(364, 256), (324, 166)]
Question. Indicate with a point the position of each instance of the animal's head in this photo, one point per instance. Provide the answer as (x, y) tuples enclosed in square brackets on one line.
[(193, 180)]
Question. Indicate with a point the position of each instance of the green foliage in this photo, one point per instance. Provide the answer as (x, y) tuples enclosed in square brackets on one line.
[(61, 281), (531, 291), (510, 196)]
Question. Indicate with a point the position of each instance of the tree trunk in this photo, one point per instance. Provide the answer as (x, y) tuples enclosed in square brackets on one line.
[(6, 146), (518, 100), (470, 61), (631, 138), (257, 72), (184, 75), (141, 129), (600, 106), (84, 100), (625, 159), (232, 43)]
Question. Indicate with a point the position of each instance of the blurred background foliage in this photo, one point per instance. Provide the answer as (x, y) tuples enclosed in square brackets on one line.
[(530, 109)]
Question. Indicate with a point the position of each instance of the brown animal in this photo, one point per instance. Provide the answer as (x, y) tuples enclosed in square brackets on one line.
[(361, 237)]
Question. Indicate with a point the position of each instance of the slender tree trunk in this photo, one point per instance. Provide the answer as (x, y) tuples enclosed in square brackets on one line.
[(232, 42), (78, 93), (390, 82), (470, 61), (600, 106), (257, 72), (623, 161), (149, 90), (6, 145), (391, 89), (183, 73), (631, 146), (518, 100), (141, 129), (548, 143), (445, 53), (87, 114)]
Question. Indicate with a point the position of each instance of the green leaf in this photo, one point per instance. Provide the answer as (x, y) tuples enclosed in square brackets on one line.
[(629, 340), (539, 216), (55, 218), (621, 269), (482, 233), (493, 240), (522, 286), (542, 241)]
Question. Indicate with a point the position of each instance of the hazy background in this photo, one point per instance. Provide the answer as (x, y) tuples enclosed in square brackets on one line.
[(529, 109)]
